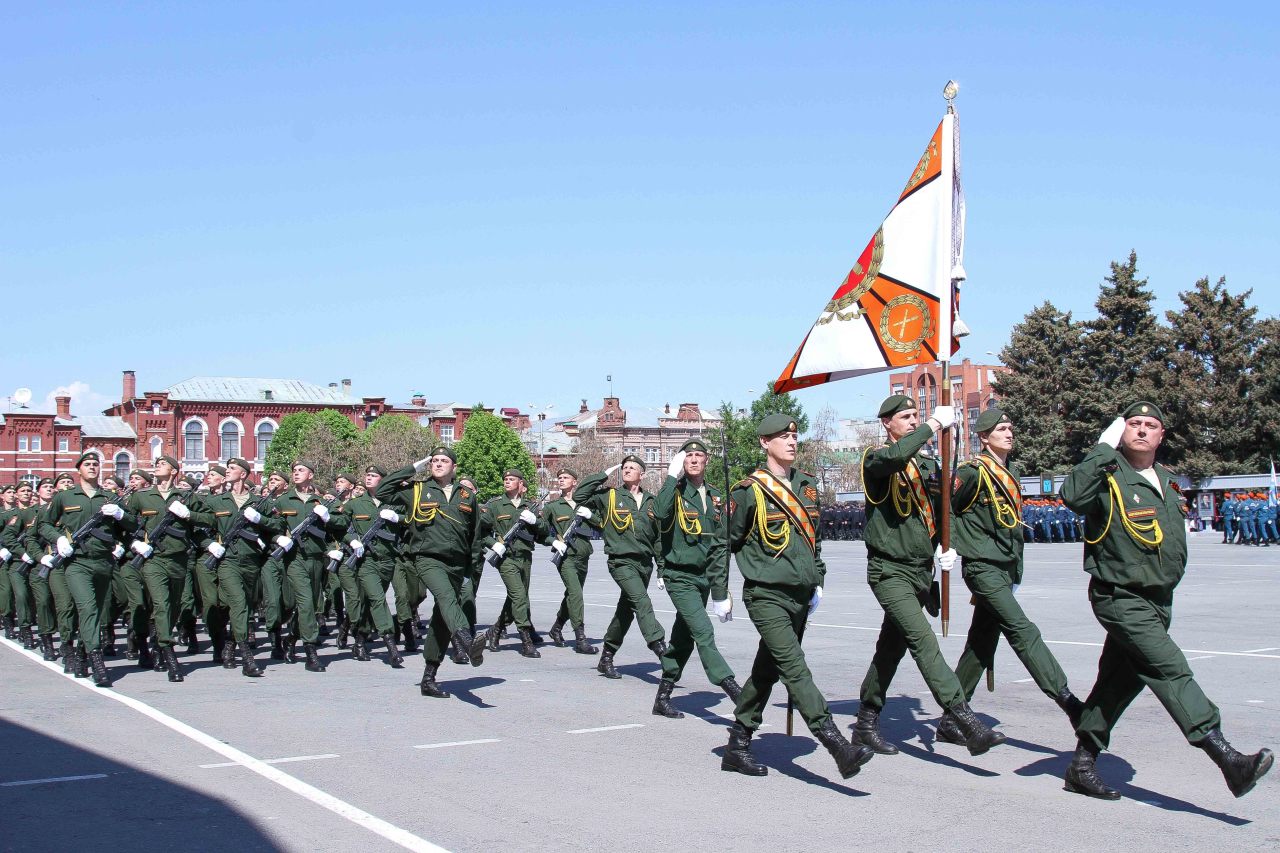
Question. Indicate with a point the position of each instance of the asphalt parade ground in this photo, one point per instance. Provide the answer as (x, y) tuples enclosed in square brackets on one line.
[(546, 754)]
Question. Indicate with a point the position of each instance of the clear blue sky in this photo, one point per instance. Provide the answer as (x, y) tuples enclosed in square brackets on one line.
[(506, 204)]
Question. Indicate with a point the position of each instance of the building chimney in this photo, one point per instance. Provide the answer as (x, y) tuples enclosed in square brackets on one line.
[(64, 405), (418, 399), (130, 386), (666, 410), (268, 394), (582, 410), (346, 386), (333, 384)]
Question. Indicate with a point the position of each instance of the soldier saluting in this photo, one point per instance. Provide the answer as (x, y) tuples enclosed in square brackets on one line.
[(1136, 553)]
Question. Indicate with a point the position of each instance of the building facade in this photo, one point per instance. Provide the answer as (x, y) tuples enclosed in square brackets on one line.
[(971, 393)]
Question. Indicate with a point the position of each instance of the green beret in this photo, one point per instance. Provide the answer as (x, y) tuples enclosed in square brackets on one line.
[(117, 479), (374, 469), (9, 488), (145, 475), (46, 480), (445, 451), (215, 468), (631, 457), (191, 481), (25, 484), (894, 404), (283, 475), (1142, 407), (572, 473), (88, 454), (349, 477), (990, 419), (694, 444), (240, 463), (305, 463), (65, 475), (774, 424), (513, 472), (167, 458)]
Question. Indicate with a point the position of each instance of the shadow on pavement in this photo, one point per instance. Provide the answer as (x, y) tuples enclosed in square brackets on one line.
[(464, 688), (779, 752), (903, 722), (642, 671), (700, 703), (125, 809), (1118, 773)]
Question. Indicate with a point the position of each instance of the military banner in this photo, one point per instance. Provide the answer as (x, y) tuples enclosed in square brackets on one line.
[(895, 308)]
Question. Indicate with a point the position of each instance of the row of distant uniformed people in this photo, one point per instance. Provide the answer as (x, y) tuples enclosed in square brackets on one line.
[(1249, 518), (1050, 520)]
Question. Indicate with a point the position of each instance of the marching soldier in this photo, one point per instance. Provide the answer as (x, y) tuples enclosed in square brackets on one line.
[(8, 497), (374, 567), (497, 517), (74, 658), (693, 569), (987, 533), (557, 518), (1136, 553), (43, 607), (442, 522), (338, 589), (18, 566), (89, 564), (631, 543), (901, 538), (772, 528)]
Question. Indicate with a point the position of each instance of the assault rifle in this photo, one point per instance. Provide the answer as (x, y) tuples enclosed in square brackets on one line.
[(516, 531), (307, 525), (91, 529), (164, 527), (238, 529), (574, 531), (377, 530)]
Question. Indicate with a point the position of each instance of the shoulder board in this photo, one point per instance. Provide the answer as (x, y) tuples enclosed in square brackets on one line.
[(743, 484), (808, 474)]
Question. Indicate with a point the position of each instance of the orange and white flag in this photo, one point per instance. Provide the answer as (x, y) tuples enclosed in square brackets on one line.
[(896, 307)]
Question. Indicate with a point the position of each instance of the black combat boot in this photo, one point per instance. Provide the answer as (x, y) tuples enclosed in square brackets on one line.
[(27, 638), (658, 647), (48, 652), (473, 644), (277, 645), (1070, 705), (250, 668), (10, 631), (1082, 775), (494, 635), (291, 649), (557, 634), (344, 633), (253, 631), (731, 689), (949, 730), (100, 677), (68, 655), (171, 664), (737, 755), (228, 654), (393, 651), (80, 662), (978, 738), (866, 731), (428, 685), (580, 644), (313, 658), (157, 657), (359, 649), (527, 648), (143, 655), (131, 646), (458, 653), (537, 638), (849, 756), (1241, 771), (605, 667), (218, 642), (662, 706), (107, 640), (409, 631), (189, 635)]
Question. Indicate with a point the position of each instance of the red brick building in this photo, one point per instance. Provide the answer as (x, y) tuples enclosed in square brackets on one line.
[(971, 394)]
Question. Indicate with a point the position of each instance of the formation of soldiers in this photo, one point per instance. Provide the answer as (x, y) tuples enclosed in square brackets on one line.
[(160, 554), (844, 522), (1248, 518), (1050, 520)]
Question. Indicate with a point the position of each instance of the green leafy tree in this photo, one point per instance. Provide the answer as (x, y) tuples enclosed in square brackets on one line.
[(334, 443), (488, 448), (393, 441), (286, 444), (739, 427)]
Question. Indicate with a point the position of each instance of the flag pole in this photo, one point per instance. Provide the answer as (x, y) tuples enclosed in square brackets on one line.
[(944, 525)]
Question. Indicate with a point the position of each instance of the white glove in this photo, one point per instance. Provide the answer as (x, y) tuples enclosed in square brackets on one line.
[(583, 512), (609, 472), (335, 554), (251, 515), (559, 547), (179, 509), (47, 561), (322, 511), (5, 555), (1111, 435), (722, 610), (944, 415), (944, 560), (676, 466), (389, 515), (118, 551), (816, 600), (142, 549), (421, 464), (26, 558), (285, 542), (357, 547), (499, 549), (216, 549), (528, 517), (63, 547), (112, 510), (661, 583)]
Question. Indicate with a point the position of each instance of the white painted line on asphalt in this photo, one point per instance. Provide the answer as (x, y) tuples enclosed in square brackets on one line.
[(1200, 657), (605, 729), (1022, 681), (456, 743), (1192, 651), (343, 809), (1254, 701), (1255, 651), (53, 779), (528, 680), (275, 760), (847, 627)]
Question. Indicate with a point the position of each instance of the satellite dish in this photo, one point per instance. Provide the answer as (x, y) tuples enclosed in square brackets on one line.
[(22, 396)]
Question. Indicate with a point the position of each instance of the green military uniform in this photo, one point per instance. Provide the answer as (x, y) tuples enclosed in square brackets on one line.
[(54, 588), (631, 543), (303, 564), (557, 518), (12, 538), (373, 571), (43, 608), (165, 571), (441, 542), (692, 540), (6, 588), (497, 517), (245, 555)]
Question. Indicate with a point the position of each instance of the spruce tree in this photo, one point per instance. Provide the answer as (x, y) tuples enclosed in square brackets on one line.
[(487, 449)]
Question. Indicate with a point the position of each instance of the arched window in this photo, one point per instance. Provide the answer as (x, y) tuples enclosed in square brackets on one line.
[(266, 432), (157, 448), (230, 435), (927, 394), (193, 441), (123, 464)]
